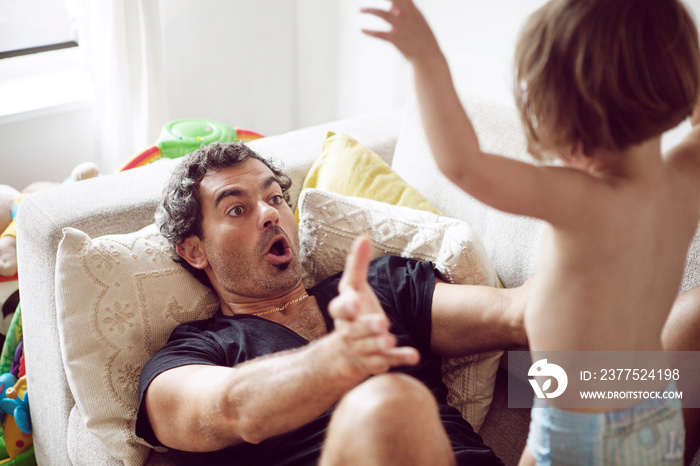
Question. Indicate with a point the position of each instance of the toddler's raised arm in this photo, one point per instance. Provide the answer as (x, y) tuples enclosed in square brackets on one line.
[(501, 182), (450, 133)]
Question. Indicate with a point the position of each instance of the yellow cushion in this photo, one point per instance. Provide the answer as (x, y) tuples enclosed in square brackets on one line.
[(11, 229), (347, 167)]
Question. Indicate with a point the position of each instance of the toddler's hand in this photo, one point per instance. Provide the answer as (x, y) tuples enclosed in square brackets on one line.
[(410, 32)]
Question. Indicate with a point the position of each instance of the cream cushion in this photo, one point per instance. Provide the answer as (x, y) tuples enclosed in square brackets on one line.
[(328, 224), (118, 298)]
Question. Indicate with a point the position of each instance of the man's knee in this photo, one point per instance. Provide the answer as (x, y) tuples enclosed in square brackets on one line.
[(389, 419), (388, 397)]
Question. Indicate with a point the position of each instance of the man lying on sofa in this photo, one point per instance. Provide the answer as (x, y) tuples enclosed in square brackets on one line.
[(346, 372)]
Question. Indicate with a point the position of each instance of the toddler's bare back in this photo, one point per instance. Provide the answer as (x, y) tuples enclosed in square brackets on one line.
[(608, 282)]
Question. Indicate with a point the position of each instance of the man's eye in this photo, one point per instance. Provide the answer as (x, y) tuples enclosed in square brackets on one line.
[(236, 211), (276, 199)]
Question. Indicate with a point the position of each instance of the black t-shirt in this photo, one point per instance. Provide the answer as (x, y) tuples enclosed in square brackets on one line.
[(405, 290)]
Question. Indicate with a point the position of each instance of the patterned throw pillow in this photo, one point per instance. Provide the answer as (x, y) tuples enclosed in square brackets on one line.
[(118, 298)]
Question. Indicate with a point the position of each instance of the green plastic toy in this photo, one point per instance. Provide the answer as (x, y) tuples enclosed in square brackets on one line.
[(180, 137)]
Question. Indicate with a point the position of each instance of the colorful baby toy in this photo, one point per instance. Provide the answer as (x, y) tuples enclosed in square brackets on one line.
[(16, 442), (180, 137)]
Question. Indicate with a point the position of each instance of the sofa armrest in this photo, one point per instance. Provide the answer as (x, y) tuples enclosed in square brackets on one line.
[(109, 204)]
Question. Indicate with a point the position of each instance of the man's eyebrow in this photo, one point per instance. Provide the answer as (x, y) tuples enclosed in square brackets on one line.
[(240, 192), (269, 182), (233, 192)]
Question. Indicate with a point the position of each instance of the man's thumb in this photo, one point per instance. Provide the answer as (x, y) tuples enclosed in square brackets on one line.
[(357, 263)]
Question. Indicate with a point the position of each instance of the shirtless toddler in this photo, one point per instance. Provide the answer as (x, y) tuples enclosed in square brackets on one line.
[(597, 82)]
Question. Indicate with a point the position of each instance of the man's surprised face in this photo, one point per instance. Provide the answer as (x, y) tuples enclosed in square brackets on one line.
[(249, 234)]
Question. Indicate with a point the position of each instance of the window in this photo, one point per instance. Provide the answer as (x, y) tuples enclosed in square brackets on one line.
[(34, 84), (31, 26)]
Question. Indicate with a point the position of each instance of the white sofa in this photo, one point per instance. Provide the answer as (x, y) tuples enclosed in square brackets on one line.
[(125, 202)]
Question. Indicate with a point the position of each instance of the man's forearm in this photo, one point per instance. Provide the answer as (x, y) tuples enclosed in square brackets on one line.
[(468, 319), (275, 394), (205, 408)]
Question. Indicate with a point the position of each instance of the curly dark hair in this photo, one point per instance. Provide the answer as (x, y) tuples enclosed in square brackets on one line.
[(179, 215)]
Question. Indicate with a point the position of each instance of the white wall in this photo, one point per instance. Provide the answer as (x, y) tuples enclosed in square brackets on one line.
[(276, 65), (478, 40), (232, 60), (45, 148), (306, 62)]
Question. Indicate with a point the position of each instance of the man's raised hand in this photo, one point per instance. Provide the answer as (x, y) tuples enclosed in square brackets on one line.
[(360, 322), (410, 32)]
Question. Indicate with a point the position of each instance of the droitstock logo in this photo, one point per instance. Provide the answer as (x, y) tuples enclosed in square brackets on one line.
[(542, 368)]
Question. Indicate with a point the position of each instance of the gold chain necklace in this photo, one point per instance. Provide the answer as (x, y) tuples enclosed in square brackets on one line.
[(278, 309)]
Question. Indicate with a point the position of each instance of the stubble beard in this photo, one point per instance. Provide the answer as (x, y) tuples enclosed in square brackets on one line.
[(250, 275)]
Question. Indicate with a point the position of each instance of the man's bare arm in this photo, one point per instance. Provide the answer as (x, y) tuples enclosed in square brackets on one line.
[(469, 319), (206, 408)]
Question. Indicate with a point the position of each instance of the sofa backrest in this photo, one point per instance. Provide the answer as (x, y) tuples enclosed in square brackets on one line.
[(511, 241)]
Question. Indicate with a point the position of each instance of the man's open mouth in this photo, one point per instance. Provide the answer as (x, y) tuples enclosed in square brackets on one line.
[(279, 251)]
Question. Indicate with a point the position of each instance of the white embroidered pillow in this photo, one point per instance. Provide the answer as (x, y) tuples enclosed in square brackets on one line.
[(328, 224), (118, 298)]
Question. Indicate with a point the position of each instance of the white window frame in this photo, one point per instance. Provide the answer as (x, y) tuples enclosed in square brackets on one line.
[(41, 80)]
